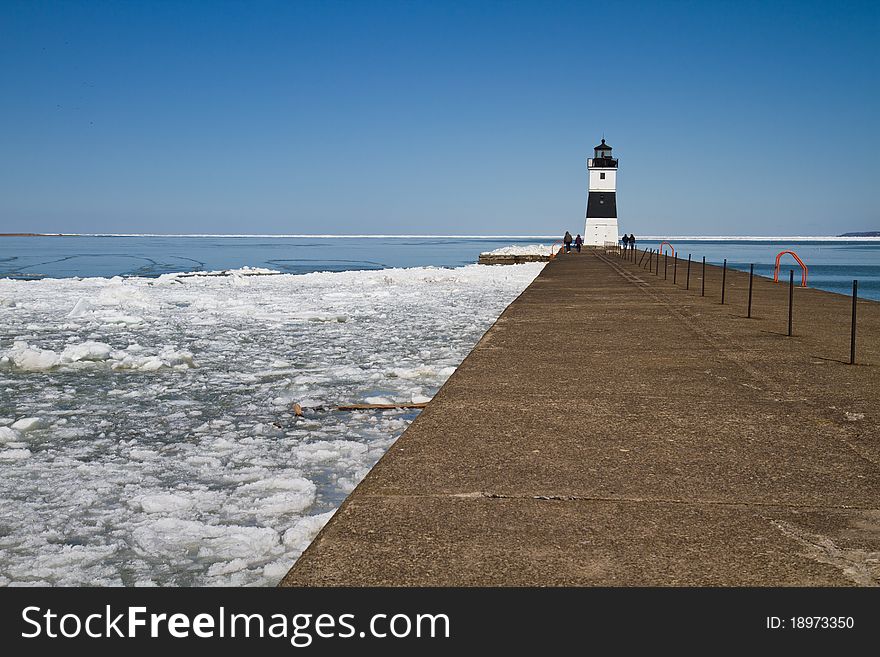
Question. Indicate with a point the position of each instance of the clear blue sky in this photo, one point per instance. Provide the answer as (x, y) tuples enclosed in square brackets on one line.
[(437, 117)]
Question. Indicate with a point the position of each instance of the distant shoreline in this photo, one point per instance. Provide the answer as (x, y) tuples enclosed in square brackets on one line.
[(31, 235)]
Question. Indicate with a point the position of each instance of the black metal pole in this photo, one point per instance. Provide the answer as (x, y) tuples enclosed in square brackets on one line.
[(790, 297), (703, 290), (723, 280), (852, 342), (751, 274), (644, 253), (687, 285), (665, 265), (674, 268)]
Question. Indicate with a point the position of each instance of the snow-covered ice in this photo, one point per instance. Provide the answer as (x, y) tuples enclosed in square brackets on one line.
[(28, 424), (147, 432), (526, 249)]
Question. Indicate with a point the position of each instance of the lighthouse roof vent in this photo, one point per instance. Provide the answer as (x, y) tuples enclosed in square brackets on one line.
[(603, 147)]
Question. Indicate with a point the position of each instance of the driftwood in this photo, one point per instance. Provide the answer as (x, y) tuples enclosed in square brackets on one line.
[(298, 410), (227, 272), (372, 407)]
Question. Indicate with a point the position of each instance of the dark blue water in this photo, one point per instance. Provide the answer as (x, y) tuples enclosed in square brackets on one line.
[(64, 257), (832, 265)]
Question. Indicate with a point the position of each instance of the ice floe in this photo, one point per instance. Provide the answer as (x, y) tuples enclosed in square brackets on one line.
[(147, 426), (525, 249)]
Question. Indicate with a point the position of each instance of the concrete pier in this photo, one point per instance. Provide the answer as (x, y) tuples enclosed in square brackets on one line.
[(613, 428)]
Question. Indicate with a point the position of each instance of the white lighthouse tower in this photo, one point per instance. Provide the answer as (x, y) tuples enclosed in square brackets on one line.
[(601, 197)]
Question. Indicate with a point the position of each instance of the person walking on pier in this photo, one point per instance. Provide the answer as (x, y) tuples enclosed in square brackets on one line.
[(624, 241), (632, 241), (567, 241), (578, 241)]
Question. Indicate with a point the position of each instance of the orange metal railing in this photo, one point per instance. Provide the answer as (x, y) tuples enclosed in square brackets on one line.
[(672, 248), (800, 262)]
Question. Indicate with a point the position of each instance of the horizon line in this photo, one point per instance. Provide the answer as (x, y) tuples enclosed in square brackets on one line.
[(434, 236)]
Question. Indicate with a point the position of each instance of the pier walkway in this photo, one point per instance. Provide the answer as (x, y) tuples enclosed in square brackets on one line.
[(613, 428)]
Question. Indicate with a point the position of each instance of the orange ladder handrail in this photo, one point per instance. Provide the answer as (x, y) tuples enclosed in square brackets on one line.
[(660, 250), (800, 262), (553, 255)]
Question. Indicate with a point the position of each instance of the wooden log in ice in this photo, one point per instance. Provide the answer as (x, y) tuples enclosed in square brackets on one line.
[(373, 407)]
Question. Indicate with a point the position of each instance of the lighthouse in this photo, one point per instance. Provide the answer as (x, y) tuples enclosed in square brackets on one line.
[(601, 197)]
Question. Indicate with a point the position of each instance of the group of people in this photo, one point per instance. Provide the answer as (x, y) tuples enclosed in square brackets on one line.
[(627, 241), (578, 242)]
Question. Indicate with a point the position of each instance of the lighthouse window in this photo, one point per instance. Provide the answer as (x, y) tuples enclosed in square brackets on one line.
[(602, 175)]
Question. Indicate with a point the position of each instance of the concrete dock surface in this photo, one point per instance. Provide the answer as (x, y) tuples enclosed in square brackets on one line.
[(615, 429)]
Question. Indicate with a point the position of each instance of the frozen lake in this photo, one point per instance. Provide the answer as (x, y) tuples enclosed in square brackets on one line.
[(147, 432)]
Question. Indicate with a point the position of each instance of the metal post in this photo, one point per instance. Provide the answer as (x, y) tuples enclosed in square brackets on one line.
[(852, 342), (687, 285), (703, 290), (751, 275), (723, 280), (644, 253), (665, 264), (790, 297)]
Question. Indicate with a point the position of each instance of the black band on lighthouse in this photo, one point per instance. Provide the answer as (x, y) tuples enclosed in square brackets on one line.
[(602, 205)]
